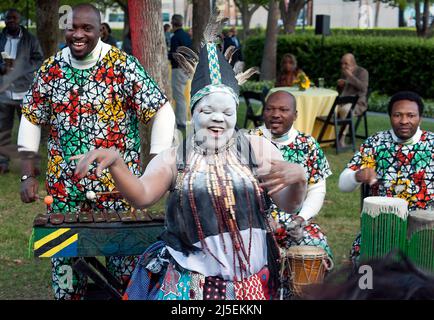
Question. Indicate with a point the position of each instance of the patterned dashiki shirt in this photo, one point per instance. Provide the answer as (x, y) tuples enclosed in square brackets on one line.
[(98, 107), (403, 170), (305, 151)]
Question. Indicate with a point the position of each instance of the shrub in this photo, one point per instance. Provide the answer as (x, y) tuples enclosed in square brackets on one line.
[(394, 63)]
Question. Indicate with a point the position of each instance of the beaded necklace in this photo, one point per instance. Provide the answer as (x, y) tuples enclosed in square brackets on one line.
[(219, 184)]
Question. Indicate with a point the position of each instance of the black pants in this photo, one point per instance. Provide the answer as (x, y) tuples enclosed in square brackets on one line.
[(7, 110)]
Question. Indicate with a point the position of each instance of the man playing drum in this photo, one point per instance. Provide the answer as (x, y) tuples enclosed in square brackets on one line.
[(297, 230), (397, 162), (279, 114)]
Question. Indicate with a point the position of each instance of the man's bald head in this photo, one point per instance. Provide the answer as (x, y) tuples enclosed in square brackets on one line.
[(348, 61), (84, 34), (280, 112), (87, 7), (285, 95)]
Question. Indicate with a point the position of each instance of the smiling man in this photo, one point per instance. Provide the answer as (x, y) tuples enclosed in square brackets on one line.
[(296, 229), (397, 162), (90, 95)]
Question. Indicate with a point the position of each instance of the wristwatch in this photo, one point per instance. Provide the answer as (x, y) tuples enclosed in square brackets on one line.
[(25, 177)]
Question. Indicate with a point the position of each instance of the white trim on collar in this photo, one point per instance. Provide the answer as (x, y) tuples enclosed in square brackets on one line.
[(414, 139), (285, 139), (90, 60)]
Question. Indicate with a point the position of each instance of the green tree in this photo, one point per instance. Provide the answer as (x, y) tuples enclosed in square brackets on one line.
[(289, 11), (247, 8), (268, 63), (423, 27)]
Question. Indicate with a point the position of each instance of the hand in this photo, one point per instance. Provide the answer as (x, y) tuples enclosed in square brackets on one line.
[(9, 63), (29, 190), (347, 72), (366, 175), (295, 228), (274, 225), (103, 157), (281, 175), (341, 83)]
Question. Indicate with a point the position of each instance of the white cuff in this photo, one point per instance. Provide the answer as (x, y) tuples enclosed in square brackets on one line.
[(163, 129), (314, 200), (347, 180), (29, 136)]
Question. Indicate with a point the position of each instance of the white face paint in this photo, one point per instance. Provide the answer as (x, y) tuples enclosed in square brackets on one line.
[(214, 117)]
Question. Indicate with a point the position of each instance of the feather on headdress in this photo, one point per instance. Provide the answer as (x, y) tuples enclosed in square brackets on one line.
[(211, 67)]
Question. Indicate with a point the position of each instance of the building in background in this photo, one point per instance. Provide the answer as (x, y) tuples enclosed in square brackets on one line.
[(349, 14)]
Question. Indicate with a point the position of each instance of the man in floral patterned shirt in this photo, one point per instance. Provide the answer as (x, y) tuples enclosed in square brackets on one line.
[(279, 114), (90, 95), (398, 162)]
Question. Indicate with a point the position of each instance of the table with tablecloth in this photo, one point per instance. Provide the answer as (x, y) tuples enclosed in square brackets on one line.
[(311, 103)]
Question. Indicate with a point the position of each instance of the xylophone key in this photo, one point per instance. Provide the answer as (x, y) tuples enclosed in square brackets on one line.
[(112, 216), (142, 215), (71, 217), (41, 219), (57, 218), (99, 217), (85, 217), (126, 216), (157, 215)]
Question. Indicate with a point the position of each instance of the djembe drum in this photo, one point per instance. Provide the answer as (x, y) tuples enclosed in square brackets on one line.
[(383, 226), (420, 234), (307, 265)]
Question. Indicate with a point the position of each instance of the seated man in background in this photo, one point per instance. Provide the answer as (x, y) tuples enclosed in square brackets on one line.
[(353, 82), (396, 162), (279, 115)]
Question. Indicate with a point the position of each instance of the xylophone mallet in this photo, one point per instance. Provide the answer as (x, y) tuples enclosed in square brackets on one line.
[(48, 200), (91, 195)]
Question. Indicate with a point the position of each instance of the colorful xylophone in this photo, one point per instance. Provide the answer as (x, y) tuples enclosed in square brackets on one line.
[(94, 233)]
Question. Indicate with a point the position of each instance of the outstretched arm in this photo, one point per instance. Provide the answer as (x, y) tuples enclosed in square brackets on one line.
[(139, 192)]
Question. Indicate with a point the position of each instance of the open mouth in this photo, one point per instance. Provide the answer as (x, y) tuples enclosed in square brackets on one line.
[(78, 46), (216, 131)]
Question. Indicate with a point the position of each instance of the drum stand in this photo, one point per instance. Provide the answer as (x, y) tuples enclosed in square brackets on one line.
[(95, 270)]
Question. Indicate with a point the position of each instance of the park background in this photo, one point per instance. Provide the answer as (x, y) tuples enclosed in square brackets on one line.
[(398, 55)]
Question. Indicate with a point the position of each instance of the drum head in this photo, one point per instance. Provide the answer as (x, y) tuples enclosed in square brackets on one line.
[(422, 215), (374, 206), (306, 251), (420, 220)]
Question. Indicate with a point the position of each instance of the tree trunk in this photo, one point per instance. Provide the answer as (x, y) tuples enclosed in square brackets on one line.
[(401, 19), (124, 6), (47, 18), (425, 17), (422, 20), (201, 14), (268, 64), (290, 13), (377, 12), (148, 44), (246, 15)]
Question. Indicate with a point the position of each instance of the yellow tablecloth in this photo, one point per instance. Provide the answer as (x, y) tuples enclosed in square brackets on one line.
[(311, 103)]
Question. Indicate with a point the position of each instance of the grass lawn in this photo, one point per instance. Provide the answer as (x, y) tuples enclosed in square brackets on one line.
[(23, 277)]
